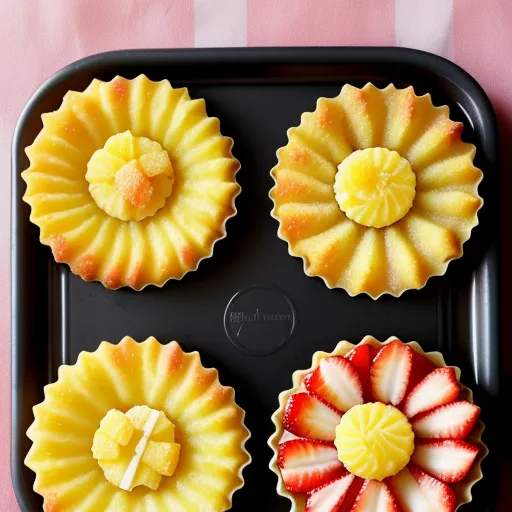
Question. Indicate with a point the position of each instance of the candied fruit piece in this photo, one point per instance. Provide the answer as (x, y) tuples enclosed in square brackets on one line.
[(130, 178), (103, 447), (116, 426), (164, 429), (133, 184), (142, 460), (153, 164), (121, 145), (147, 476), (162, 457)]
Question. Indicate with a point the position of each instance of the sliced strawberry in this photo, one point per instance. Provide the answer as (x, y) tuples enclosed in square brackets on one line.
[(439, 387), (408, 493), (329, 497), (373, 352), (336, 382), (441, 496), (389, 374), (454, 421), (421, 367), (305, 416), (306, 465), (446, 459), (352, 494), (361, 359), (375, 496), (287, 436)]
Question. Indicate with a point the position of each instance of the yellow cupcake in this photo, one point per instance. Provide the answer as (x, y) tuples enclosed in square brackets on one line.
[(130, 182), (137, 425), (376, 191)]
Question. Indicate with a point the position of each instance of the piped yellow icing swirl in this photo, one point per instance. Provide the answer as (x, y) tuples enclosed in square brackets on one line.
[(374, 440), (375, 187)]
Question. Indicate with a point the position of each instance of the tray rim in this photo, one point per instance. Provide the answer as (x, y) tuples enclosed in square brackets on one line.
[(434, 64)]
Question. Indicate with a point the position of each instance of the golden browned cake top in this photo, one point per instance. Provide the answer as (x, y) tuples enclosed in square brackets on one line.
[(138, 425), (375, 190), (131, 182)]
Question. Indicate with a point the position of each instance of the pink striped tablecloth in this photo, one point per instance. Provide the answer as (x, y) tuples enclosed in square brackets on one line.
[(38, 37)]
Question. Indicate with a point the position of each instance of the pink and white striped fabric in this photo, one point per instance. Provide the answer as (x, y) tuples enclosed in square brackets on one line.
[(38, 37)]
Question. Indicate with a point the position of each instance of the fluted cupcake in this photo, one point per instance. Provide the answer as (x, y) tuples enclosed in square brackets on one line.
[(377, 427), (130, 182), (137, 426), (376, 191)]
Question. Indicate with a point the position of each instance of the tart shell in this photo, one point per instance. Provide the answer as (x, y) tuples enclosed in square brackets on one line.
[(462, 489)]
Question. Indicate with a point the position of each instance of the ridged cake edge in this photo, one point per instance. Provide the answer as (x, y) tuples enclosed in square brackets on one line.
[(243, 444), (192, 355), (222, 236), (304, 261), (222, 227)]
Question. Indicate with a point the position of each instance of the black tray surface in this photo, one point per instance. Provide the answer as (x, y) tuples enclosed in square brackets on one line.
[(258, 94)]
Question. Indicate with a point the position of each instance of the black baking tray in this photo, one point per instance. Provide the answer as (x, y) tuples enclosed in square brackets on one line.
[(258, 94)]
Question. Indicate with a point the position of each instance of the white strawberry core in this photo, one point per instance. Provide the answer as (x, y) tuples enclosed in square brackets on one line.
[(306, 462), (347, 395), (445, 422), (410, 495), (446, 460), (390, 382), (375, 496), (329, 496)]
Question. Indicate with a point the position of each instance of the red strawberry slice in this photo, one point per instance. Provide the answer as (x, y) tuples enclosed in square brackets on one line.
[(441, 496), (447, 459), (408, 493), (306, 465), (336, 382), (375, 496), (454, 421), (389, 374), (421, 367), (361, 359), (352, 494), (373, 352), (329, 497), (305, 416), (439, 387)]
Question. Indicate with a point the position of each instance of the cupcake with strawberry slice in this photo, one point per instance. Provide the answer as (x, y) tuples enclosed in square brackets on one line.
[(377, 427)]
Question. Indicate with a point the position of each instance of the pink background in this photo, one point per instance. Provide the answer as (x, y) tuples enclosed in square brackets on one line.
[(38, 37)]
